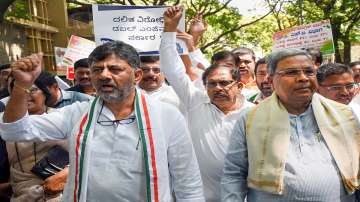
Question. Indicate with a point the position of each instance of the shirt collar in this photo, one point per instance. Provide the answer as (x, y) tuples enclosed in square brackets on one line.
[(307, 112)]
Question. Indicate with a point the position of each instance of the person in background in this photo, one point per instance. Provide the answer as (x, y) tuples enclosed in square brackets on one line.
[(5, 188), (26, 185), (262, 81), (225, 58), (82, 78), (316, 56), (246, 65), (336, 82), (355, 66), (211, 113), (4, 75), (153, 81), (60, 98)]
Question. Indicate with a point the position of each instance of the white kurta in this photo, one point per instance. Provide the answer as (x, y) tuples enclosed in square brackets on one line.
[(165, 94), (209, 127), (116, 168)]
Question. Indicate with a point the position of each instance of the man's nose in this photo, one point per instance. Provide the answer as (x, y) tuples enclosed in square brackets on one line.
[(105, 73)]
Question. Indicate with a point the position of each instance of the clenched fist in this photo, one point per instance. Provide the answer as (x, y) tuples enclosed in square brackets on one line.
[(27, 69), (171, 18)]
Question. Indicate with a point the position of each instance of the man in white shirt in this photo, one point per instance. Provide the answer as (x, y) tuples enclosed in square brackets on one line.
[(119, 147), (153, 81), (211, 113)]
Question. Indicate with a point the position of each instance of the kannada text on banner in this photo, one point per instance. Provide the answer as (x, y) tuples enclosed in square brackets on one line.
[(315, 35), (140, 26)]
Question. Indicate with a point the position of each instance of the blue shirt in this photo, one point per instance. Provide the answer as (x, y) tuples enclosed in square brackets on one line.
[(310, 174), (69, 97)]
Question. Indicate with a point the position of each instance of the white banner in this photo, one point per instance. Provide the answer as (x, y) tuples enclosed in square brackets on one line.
[(316, 35), (138, 26)]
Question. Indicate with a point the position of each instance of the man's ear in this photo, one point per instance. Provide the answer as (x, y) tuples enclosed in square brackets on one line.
[(138, 75)]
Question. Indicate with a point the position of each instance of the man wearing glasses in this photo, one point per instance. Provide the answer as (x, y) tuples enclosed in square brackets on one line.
[(336, 82), (295, 145), (153, 81), (123, 146), (211, 113)]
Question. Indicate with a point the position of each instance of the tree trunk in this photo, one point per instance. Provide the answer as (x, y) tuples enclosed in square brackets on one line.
[(347, 51), (336, 38)]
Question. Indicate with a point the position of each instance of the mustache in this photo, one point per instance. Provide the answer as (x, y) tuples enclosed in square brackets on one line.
[(150, 78), (301, 86), (220, 94), (85, 79), (106, 83), (265, 85)]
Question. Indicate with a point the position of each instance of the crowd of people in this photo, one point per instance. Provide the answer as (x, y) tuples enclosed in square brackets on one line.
[(181, 128)]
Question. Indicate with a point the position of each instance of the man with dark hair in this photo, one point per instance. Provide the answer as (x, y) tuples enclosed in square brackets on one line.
[(246, 65), (60, 98), (316, 57), (211, 113), (296, 145), (355, 66), (4, 75), (82, 78), (225, 58), (153, 81), (123, 146), (262, 82), (336, 82)]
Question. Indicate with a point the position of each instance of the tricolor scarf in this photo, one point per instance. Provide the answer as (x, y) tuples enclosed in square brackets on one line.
[(83, 141), (268, 139)]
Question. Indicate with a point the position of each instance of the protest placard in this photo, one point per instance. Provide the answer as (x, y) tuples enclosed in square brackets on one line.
[(70, 73), (316, 36), (77, 48), (139, 26), (59, 55)]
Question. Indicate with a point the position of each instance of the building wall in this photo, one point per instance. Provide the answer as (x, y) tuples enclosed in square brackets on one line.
[(13, 42)]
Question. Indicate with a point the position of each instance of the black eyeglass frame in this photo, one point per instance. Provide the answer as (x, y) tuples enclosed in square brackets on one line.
[(126, 121)]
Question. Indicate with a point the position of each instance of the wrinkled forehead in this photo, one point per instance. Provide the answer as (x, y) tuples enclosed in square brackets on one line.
[(110, 60), (294, 62), (221, 73)]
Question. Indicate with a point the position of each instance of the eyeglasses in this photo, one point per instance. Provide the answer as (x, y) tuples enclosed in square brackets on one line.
[(293, 72), (156, 70), (222, 84), (349, 87), (129, 120)]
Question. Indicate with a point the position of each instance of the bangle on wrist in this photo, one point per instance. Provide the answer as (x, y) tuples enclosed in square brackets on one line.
[(27, 90)]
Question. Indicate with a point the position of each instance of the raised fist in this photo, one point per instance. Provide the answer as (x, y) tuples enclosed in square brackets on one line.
[(27, 69), (171, 18)]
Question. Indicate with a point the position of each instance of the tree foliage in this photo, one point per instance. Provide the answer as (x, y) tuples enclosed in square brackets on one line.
[(226, 25)]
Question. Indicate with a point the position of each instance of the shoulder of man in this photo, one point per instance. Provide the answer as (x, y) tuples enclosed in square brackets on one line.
[(76, 88), (77, 96)]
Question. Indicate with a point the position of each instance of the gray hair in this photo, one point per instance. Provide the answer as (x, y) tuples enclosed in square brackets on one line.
[(275, 57)]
